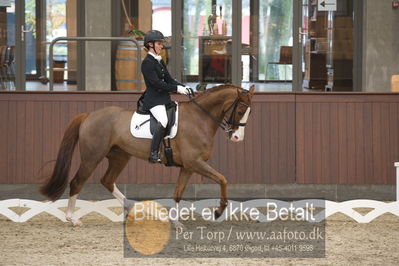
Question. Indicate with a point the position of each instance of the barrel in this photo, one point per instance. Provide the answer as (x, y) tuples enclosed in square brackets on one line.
[(395, 83), (58, 67), (126, 67)]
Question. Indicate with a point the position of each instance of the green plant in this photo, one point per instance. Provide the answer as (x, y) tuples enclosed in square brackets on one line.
[(138, 34)]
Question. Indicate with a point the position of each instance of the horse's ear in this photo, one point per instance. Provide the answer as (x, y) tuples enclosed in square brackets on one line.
[(252, 89)]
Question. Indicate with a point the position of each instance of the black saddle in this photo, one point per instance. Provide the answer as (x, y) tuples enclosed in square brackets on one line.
[(170, 112)]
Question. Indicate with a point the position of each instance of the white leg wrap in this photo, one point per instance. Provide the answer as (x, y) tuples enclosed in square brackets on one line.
[(71, 206), (177, 224), (70, 211), (118, 195)]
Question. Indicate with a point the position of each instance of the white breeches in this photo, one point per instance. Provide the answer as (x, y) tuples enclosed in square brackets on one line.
[(159, 112)]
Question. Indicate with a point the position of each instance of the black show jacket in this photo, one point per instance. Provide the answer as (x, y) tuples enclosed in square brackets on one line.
[(158, 81)]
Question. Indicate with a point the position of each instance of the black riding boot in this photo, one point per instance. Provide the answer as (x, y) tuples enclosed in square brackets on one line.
[(156, 141)]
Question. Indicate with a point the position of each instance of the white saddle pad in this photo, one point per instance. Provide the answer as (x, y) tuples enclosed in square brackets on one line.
[(140, 130)]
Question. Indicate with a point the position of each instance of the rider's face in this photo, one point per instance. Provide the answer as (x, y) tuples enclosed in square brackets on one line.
[(158, 45)]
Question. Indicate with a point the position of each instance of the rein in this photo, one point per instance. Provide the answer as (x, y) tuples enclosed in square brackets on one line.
[(224, 124)]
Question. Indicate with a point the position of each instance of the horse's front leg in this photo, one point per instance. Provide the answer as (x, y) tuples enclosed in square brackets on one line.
[(206, 170)]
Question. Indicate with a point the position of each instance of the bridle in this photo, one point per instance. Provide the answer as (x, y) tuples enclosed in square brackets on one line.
[(226, 124)]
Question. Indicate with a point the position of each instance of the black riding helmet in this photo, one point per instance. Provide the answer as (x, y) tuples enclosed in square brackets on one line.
[(152, 36)]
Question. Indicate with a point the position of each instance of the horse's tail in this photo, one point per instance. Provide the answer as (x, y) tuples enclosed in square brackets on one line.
[(57, 183)]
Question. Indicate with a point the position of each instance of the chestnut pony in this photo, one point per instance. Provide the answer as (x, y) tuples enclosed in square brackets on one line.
[(106, 133)]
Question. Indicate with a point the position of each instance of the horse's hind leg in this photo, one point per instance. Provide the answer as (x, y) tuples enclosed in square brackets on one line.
[(184, 176), (81, 176), (117, 160)]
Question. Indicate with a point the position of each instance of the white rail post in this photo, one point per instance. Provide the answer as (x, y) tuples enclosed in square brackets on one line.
[(397, 180)]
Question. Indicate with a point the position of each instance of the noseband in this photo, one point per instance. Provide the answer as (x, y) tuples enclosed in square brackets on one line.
[(225, 124)]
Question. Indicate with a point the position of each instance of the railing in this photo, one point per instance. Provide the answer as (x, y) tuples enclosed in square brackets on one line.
[(349, 208), (53, 42), (104, 208)]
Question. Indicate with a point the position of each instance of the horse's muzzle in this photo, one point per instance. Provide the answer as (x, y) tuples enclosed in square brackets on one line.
[(237, 135)]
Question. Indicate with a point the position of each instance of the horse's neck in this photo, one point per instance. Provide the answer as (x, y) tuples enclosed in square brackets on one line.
[(215, 101)]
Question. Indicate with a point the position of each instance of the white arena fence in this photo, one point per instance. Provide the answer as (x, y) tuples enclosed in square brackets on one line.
[(347, 208)]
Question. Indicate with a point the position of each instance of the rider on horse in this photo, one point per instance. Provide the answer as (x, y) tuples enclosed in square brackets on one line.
[(159, 84)]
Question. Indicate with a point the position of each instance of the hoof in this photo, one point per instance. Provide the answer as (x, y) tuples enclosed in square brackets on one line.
[(128, 205), (217, 214), (74, 222)]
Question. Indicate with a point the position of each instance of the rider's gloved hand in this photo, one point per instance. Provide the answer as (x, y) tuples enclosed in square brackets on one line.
[(184, 90)]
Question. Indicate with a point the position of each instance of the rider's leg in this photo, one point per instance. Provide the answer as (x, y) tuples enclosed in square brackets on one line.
[(159, 112)]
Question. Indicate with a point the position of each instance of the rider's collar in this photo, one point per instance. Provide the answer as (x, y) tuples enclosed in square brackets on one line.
[(157, 57)]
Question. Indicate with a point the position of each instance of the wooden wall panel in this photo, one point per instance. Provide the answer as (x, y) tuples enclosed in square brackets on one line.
[(367, 143), (393, 136), (346, 138), (12, 140), (4, 125), (20, 142), (305, 138), (267, 154), (29, 139)]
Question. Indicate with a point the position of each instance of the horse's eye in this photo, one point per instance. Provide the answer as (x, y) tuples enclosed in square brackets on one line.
[(240, 113)]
